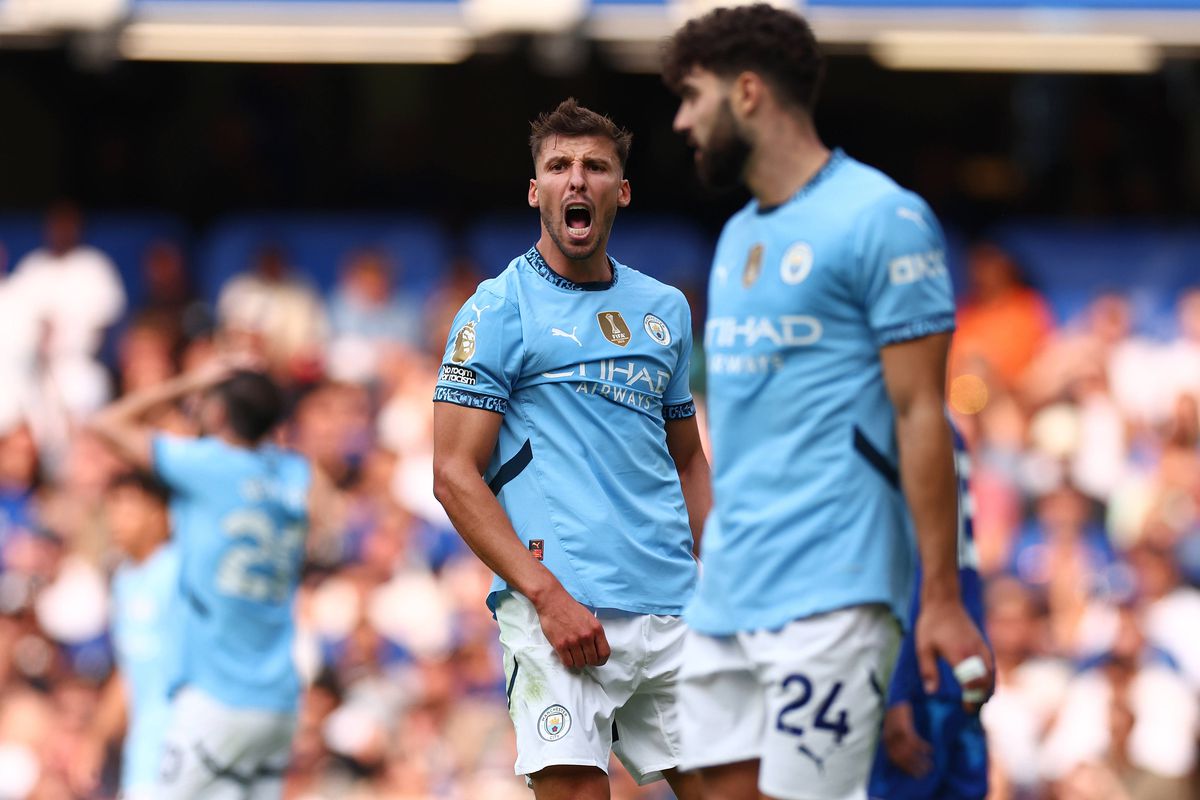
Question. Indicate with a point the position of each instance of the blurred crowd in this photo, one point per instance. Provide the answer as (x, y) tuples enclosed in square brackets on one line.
[(1086, 439)]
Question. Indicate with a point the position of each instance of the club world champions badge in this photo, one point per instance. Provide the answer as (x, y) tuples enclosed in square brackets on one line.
[(613, 326), (753, 266)]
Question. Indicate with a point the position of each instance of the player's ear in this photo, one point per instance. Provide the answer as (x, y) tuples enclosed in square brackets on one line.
[(623, 194), (533, 198), (746, 94)]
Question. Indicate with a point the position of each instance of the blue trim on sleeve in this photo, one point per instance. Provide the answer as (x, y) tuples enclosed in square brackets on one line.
[(916, 329), (461, 397), (680, 410)]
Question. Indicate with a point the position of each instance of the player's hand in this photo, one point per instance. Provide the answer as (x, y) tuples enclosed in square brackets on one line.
[(573, 631), (904, 746), (944, 630)]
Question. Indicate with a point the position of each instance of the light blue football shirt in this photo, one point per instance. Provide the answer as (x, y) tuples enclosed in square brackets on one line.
[(145, 627), (808, 514), (240, 518), (586, 376)]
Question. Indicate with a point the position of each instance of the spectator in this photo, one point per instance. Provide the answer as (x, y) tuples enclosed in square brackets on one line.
[(275, 313), (73, 293), (1029, 688), (170, 301), (1002, 321), (1129, 713), (370, 314)]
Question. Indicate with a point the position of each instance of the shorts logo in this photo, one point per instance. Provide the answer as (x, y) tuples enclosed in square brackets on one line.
[(453, 374), (657, 329), (797, 263), (554, 724), (613, 326), (537, 548), (464, 344), (753, 266)]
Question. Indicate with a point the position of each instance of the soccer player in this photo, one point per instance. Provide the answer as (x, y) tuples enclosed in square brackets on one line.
[(934, 747), (240, 511), (566, 452), (830, 315), (144, 594)]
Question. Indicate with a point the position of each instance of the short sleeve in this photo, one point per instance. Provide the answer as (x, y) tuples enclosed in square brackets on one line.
[(483, 354), (179, 462), (903, 283), (677, 399)]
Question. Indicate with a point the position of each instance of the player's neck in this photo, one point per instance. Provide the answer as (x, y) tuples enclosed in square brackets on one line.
[(785, 158), (594, 269)]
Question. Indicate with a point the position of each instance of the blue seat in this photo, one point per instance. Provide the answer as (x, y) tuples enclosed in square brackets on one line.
[(316, 245)]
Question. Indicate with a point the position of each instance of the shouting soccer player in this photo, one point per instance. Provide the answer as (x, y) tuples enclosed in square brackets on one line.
[(240, 516), (566, 452), (830, 316)]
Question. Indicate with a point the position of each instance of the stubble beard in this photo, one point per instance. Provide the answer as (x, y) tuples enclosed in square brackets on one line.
[(723, 162)]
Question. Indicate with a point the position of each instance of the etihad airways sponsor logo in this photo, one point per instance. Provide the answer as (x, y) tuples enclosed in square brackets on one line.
[(789, 330), (650, 379), (618, 394)]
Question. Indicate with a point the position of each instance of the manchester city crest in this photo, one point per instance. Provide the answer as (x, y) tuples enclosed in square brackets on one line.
[(554, 723), (796, 264), (657, 330), (464, 344)]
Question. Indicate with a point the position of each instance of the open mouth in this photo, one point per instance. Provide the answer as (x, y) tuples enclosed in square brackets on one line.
[(579, 221)]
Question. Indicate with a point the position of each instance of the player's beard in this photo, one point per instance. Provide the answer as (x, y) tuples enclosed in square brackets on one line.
[(575, 253), (723, 161)]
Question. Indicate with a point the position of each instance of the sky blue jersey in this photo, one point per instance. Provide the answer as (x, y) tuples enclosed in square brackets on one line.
[(240, 518), (145, 626), (808, 514), (586, 376)]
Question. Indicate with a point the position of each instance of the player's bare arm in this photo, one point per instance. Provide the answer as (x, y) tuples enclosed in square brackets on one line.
[(463, 442), (683, 443), (914, 373), (123, 424)]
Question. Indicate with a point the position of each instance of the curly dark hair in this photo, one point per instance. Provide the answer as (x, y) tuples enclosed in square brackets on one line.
[(254, 403), (572, 119), (777, 44)]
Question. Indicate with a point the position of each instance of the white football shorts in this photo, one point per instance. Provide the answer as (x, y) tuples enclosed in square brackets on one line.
[(807, 701), (214, 752), (577, 717)]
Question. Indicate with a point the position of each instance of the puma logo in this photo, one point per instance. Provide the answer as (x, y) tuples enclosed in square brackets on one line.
[(913, 217), (565, 335), (479, 311)]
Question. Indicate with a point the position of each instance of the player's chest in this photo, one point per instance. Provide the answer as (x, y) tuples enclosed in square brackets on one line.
[(765, 264), (591, 336), (774, 289)]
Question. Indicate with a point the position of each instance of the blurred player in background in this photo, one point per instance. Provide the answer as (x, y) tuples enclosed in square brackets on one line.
[(566, 452), (830, 316), (240, 515), (934, 747), (145, 622)]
